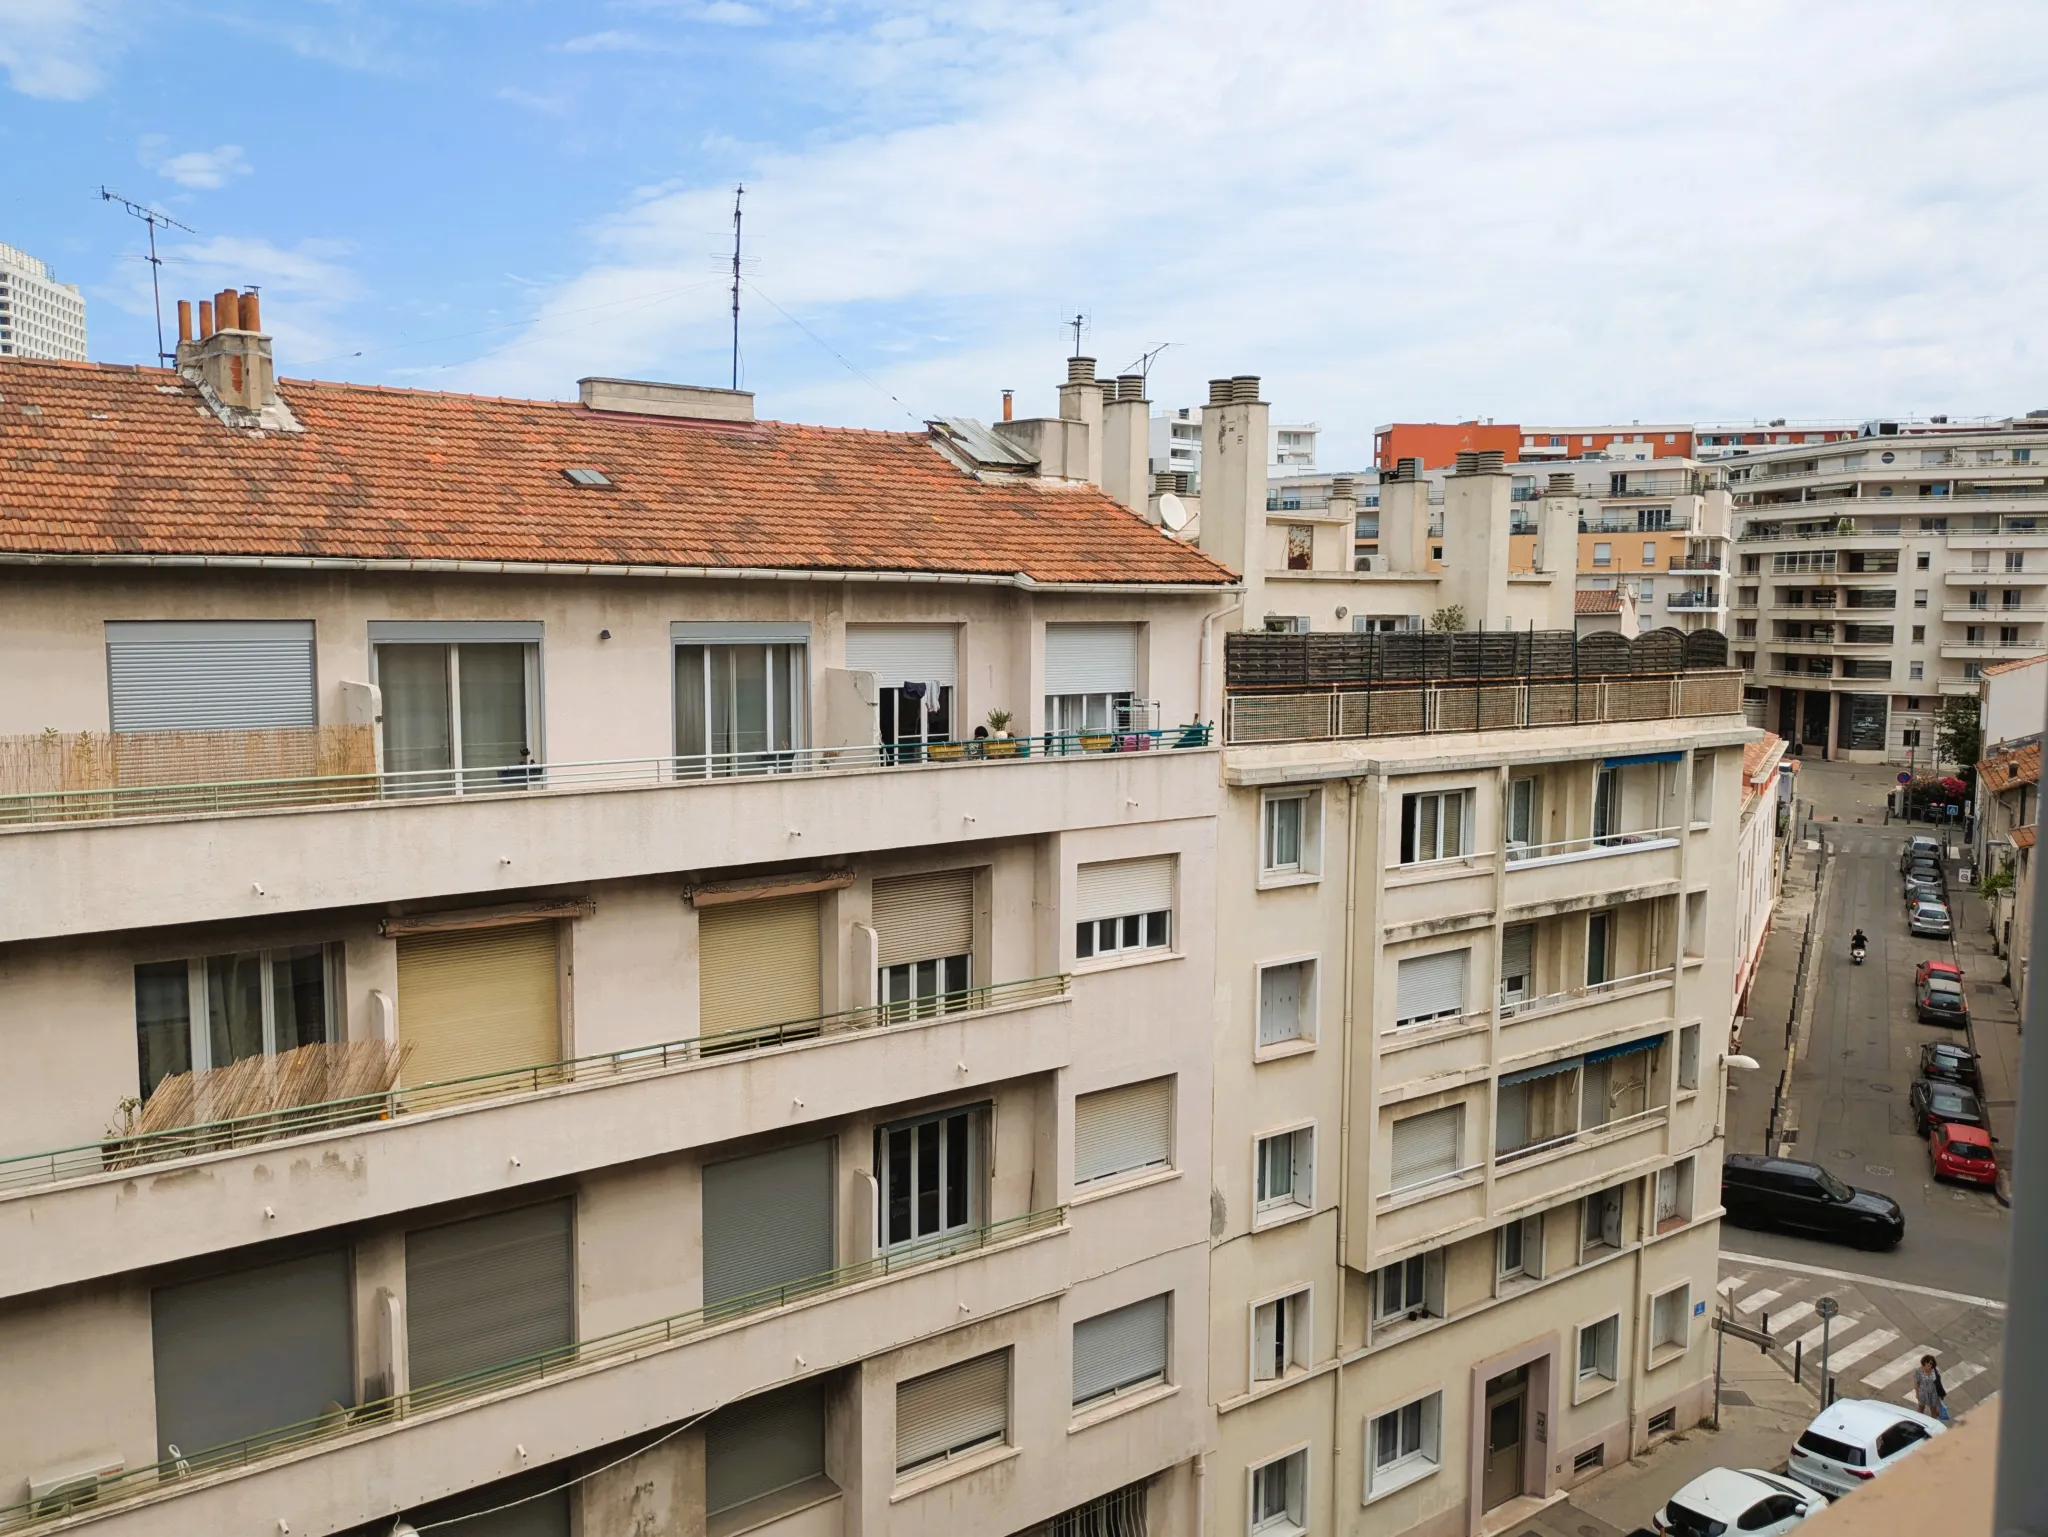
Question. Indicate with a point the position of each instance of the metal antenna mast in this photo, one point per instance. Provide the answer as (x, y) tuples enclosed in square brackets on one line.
[(152, 218), (737, 193), (1079, 323)]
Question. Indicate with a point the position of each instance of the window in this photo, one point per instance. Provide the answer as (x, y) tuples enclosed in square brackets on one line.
[(1431, 987), (1435, 826), (1287, 1002), (1919, 600), (1606, 804), (1922, 560), (1403, 1444), (1536, 1107), (1522, 806), (1119, 1351), (1285, 1173), (588, 479), (1603, 554), (1646, 588), (1287, 624), (1279, 1494), (1695, 924), (1280, 1337), (1517, 963), (1919, 634), (1600, 947), (763, 1445), (1409, 1288), (2015, 560), (1616, 1083), (1702, 788), (1301, 546), (1519, 1249), (953, 1411), (1689, 1057), (1091, 676), (1600, 1350), (915, 668), (1123, 1132), (1916, 672), (1124, 906), (1650, 553), (1897, 1438), (1601, 1212), (1671, 1319), (467, 706), (1428, 1147), (216, 1010), (924, 939), (932, 1175), (1289, 835), (1910, 737), (1674, 1195)]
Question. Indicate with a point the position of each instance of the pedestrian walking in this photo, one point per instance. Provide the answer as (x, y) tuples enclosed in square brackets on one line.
[(1928, 1393)]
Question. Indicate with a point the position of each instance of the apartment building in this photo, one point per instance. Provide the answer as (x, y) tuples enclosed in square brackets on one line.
[(608, 967), (1880, 574), (1175, 445), (1729, 440), (2012, 716), (1668, 440), (1660, 527), (1473, 974), (1759, 853), (39, 316)]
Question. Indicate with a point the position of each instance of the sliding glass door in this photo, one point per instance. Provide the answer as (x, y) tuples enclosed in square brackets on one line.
[(739, 708), (459, 707)]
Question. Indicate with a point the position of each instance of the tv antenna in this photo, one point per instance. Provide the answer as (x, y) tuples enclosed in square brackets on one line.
[(1145, 360), (152, 218), (1077, 325), (738, 192)]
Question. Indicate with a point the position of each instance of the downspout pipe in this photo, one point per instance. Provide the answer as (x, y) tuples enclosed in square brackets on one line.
[(1202, 700), (1356, 827), (2021, 1508)]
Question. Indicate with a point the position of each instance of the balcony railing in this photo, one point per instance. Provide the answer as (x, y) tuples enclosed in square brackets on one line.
[(1583, 1134), (1547, 1003), (1415, 710), (1692, 600), (115, 1153), (1599, 845), (72, 802), (526, 1371), (1696, 563)]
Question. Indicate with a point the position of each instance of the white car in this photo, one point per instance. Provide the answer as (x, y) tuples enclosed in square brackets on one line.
[(1748, 1501), (1853, 1440)]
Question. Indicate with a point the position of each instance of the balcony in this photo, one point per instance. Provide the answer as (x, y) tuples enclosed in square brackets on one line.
[(1540, 1026), (1692, 600), (1702, 563), (1550, 875), (2033, 578), (416, 1445), (1990, 650), (61, 1221), (1427, 709), (1586, 1159)]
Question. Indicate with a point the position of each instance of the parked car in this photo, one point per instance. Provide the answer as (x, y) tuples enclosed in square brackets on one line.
[(1929, 920), (1938, 999), (1919, 846), (1855, 1439), (1935, 1101), (1747, 1500), (1803, 1197), (1919, 889), (1931, 968), (1964, 1153), (1950, 1063)]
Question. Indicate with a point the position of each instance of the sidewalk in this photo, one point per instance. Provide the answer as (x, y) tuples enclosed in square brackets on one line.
[(1770, 1005), (1762, 1413), (1994, 1023)]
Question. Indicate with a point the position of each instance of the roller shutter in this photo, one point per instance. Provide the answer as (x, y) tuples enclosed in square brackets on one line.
[(1518, 959), (763, 1444), (924, 917), (214, 676), (1431, 986), (767, 1220), (244, 1354), (951, 1410), (1091, 659), (1122, 1130), (1118, 1349), (1122, 887), (489, 1291), (903, 653), (757, 963), (1426, 1146), (474, 1001)]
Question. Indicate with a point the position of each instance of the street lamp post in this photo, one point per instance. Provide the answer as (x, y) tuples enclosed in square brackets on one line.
[(1827, 1308)]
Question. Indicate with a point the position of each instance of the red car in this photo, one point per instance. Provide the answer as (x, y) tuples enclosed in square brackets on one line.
[(1962, 1152), (1947, 969)]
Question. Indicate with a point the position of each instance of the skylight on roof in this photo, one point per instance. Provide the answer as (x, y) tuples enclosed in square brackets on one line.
[(589, 479)]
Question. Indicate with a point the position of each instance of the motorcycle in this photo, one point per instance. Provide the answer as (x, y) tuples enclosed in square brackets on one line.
[(1856, 955)]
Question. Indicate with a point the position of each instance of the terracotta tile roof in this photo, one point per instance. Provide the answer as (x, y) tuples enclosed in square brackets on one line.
[(1758, 755), (2023, 837), (2025, 661), (98, 460), (2008, 770), (1598, 601)]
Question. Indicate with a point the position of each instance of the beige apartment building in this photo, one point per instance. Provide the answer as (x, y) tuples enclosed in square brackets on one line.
[(605, 967), (1476, 934), (1879, 574)]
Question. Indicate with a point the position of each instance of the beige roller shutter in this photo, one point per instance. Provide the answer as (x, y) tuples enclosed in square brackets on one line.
[(924, 917), (477, 1001), (1123, 1130), (953, 1410), (757, 963), (1123, 886)]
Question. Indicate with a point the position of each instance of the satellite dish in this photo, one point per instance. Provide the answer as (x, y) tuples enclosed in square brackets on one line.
[(1173, 512)]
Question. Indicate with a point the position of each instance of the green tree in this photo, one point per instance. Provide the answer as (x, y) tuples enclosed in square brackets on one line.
[(1957, 735), (1450, 617)]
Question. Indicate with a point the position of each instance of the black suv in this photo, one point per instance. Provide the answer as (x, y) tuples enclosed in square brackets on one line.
[(1803, 1197)]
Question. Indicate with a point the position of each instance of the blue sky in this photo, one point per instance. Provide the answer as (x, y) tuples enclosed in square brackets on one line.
[(1401, 209)]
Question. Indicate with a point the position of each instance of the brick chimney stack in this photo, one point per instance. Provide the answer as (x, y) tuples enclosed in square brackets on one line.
[(1126, 442), (230, 360)]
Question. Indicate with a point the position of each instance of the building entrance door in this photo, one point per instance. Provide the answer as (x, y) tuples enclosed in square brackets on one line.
[(1813, 726), (1506, 1402)]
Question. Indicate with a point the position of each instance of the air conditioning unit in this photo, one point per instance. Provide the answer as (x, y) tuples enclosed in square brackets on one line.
[(1369, 563), (54, 1493)]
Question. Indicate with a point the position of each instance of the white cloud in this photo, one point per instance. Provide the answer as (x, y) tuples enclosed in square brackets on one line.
[(1421, 208), (306, 290), (57, 48), (203, 169), (613, 41)]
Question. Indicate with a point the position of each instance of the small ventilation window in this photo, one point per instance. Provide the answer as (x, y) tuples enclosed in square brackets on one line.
[(590, 480)]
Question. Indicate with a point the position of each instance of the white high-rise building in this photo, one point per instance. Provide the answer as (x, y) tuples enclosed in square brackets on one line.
[(39, 317)]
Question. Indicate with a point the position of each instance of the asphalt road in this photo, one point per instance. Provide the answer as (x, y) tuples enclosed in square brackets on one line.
[(1851, 1085)]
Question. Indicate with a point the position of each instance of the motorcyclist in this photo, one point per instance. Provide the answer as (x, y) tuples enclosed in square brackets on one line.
[(1858, 941)]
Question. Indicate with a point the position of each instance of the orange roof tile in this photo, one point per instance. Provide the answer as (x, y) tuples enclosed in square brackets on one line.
[(1760, 752), (2025, 661), (2023, 837), (1596, 601), (108, 461), (2007, 770)]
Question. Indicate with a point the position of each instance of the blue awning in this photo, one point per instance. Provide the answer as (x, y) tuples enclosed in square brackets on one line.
[(1643, 757), (1547, 1070), (1647, 1043)]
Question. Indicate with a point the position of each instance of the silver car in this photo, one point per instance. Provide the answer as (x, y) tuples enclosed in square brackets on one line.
[(1929, 919)]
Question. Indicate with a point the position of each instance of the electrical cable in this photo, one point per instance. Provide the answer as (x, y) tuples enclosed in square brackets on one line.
[(814, 336)]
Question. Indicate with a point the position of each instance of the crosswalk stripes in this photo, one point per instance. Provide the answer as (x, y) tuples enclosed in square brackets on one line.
[(1951, 1378), (1792, 1315), (1732, 1284), (1846, 1356), (1758, 1299), (1897, 1367), (1810, 1340)]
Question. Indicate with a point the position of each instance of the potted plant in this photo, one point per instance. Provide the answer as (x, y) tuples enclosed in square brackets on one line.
[(1001, 744), (999, 723)]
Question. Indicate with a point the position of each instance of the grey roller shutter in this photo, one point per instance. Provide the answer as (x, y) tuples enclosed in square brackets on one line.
[(762, 1444), (1091, 659), (924, 917), (1122, 1130), (1518, 957), (1426, 1146), (951, 1410), (903, 653), (489, 1291), (767, 1220), (1120, 887), (213, 676), (1431, 986), (249, 1353), (1118, 1349)]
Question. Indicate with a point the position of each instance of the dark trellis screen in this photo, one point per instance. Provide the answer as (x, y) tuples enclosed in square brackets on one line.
[(1262, 662)]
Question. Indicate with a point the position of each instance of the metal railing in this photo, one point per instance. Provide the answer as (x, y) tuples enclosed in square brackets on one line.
[(1424, 709), (527, 1370), (1548, 1003), (1596, 845), (115, 1153), (1692, 600), (216, 797), (1586, 1134), (1697, 563)]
